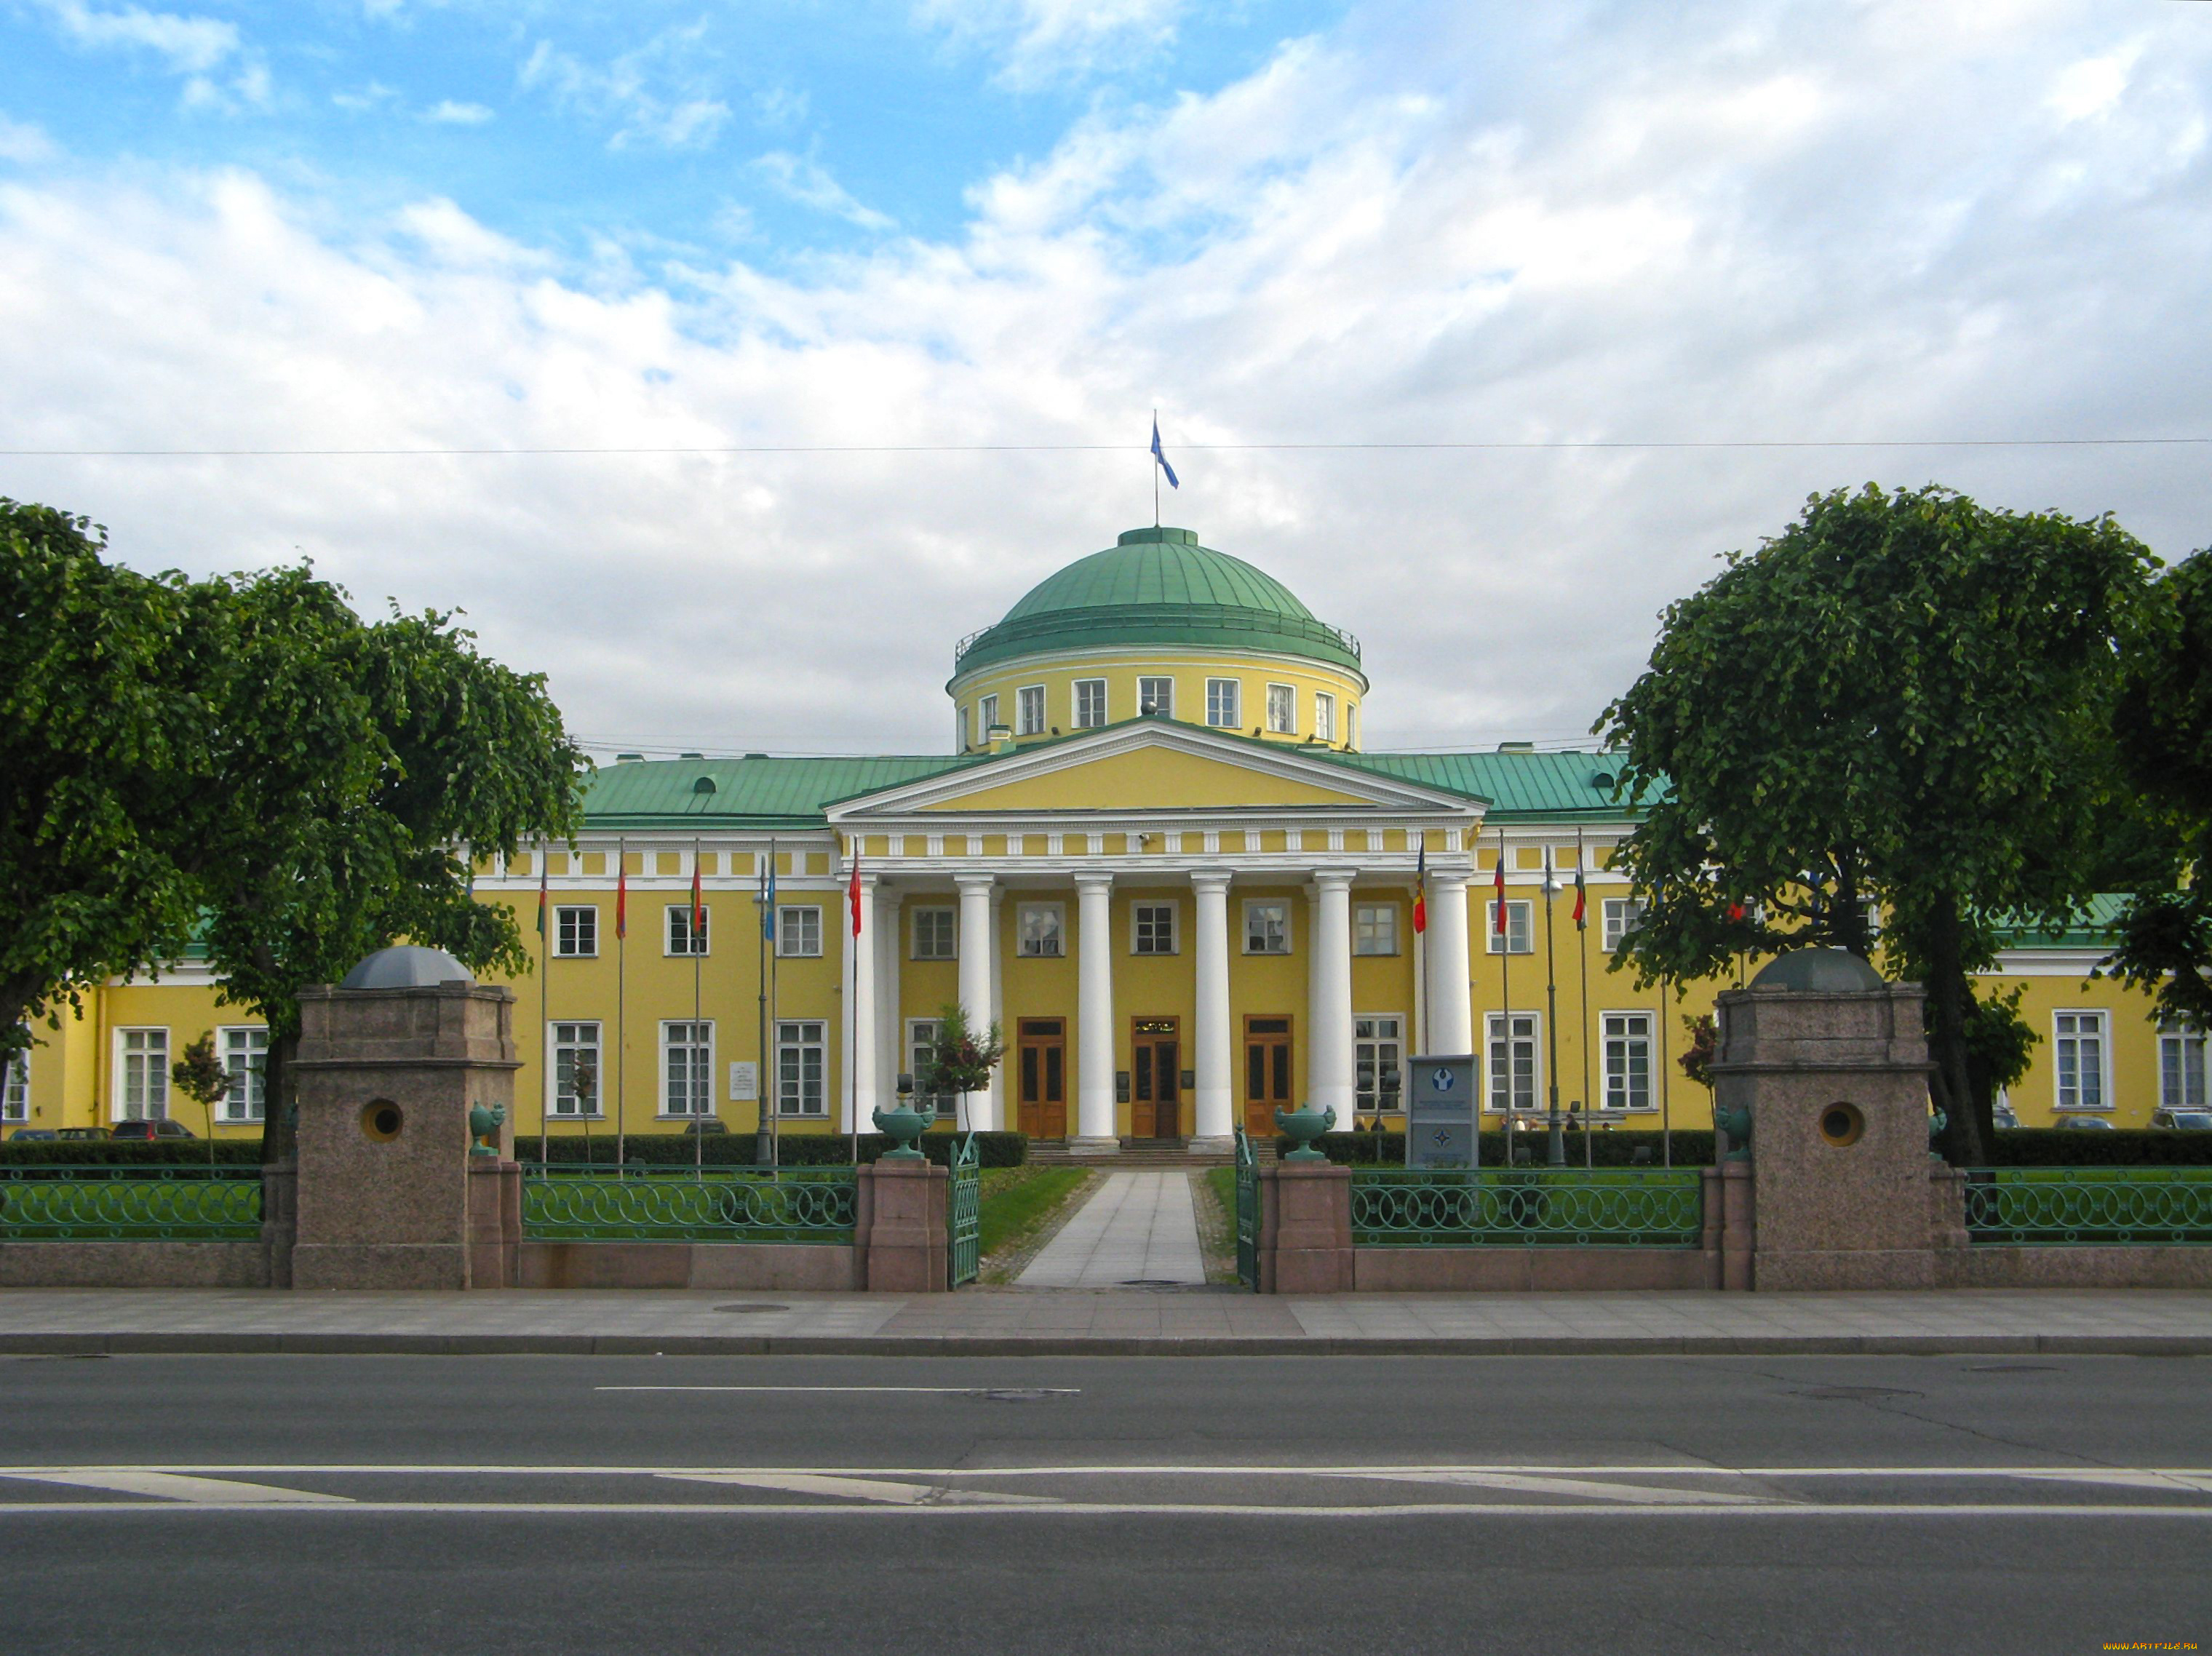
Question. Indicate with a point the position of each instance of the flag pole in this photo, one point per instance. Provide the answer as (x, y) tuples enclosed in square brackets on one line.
[(774, 959), (763, 1128), (545, 976), (1500, 928), (622, 1000), (852, 1003), (698, 913), (1555, 1149), (1156, 470), (1582, 940)]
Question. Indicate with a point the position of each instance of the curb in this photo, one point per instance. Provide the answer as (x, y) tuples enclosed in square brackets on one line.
[(1060, 1346)]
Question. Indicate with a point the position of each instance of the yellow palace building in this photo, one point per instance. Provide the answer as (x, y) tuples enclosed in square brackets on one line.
[(1157, 855)]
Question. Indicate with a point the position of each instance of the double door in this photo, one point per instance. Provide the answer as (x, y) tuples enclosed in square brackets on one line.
[(1040, 1061), (1266, 1073), (1156, 1078)]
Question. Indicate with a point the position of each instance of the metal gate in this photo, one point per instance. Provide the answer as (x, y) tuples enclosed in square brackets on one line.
[(1248, 1214), (964, 1211)]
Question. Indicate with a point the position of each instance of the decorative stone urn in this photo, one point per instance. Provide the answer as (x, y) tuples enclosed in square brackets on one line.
[(904, 1128), (1302, 1127)]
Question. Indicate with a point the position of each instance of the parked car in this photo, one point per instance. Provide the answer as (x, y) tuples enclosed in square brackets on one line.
[(2172, 1120), (2005, 1116), (23, 1135), (144, 1131), (77, 1135), (697, 1129), (2093, 1122)]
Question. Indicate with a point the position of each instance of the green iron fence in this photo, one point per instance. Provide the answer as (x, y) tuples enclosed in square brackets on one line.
[(1248, 1213), (60, 1202), (713, 1205), (963, 1212), (2078, 1206), (1558, 1207)]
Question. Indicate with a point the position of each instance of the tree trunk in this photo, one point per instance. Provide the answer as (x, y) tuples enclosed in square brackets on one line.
[(1967, 1119), (279, 1133)]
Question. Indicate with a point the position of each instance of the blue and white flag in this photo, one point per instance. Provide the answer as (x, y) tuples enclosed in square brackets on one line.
[(1160, 456)]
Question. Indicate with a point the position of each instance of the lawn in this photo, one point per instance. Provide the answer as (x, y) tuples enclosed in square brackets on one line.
[(1016, 1200)]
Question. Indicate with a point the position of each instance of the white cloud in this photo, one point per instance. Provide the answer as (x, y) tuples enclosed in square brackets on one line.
[(654, 94), (190, 46), (1817, 222), (24, 144), (447, 112), (1039, 42), (808, 182)]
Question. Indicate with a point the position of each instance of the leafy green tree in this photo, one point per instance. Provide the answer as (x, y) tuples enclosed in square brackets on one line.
[(1903, 701), (2165, 731)]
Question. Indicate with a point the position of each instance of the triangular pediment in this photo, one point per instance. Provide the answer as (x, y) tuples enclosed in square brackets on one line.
[(1152, 766)]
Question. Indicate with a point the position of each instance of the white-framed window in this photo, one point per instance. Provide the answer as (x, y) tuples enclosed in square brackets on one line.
[(1870, 911), (1030, 699), (576, 931), (1520, 937), (687, 1068), (1283, 709), (1041, 930), (987, 716), (921, 1053), (801, 1068), (1266, 926), (1374, 928), (682, 940), (960, 744), (573, 1063), (798, 931), (1627, 1060), (1151, 928), (244, 1049), (1351, 724), (142, 1074), (1324, 716), (1378, 1048), (15, 1089), (1157, 694), (936, 934), (2078, 1042), (1513, 1075), (2181, 1067), (1621, 917), (1223, 710), (1090, 703)]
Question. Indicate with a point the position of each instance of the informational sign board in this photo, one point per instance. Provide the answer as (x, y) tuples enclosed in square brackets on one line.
[(1440, 1112), (744, 1082)]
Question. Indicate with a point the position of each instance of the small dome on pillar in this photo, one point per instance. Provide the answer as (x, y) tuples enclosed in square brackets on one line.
[(1820, 971), (406, 966)]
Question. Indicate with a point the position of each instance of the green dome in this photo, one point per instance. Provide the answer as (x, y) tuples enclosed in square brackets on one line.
[(1158, 587)]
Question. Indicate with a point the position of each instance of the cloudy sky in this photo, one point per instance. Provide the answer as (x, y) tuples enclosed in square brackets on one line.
[(986, 237)]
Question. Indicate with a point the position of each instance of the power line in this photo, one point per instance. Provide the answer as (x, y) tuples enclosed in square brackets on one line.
[(1566, 445)]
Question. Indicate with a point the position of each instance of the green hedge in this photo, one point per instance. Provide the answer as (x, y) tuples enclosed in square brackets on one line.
[(2070, 1147), (995, 1150), (131, 1153), (1614, 1149)]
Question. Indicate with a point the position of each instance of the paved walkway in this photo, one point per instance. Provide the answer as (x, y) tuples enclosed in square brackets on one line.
[(1137, 1227), (1195, 1322)]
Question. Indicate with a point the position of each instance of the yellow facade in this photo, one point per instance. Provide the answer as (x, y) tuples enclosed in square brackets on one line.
[(1189, 675)]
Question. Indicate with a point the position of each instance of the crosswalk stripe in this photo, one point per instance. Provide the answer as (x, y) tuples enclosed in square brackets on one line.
[(863, 1489), (176, 1486)]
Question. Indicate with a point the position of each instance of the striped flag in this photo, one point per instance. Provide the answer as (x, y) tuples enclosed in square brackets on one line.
[(698, 906), (853, 893), (622, 893), (1421, 889), (543, 862), (1582, 896), (1497, 888)]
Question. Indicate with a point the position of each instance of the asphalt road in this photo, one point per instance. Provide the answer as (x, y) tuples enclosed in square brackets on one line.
[(550, 1504)]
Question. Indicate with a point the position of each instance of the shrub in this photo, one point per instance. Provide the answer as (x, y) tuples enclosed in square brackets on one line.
[(994, 1149), (126, 1153), (1616, 1148)]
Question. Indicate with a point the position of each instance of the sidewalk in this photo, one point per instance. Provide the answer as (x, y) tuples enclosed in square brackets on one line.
[(1136, 1227), (1178, 1322)]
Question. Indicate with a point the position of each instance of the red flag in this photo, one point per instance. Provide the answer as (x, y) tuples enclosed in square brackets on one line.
[(542, 865), (854, 895), (1736, 912), (622, 895), (1421, 889), (1582, 896), (1497, 886), (698, 908)]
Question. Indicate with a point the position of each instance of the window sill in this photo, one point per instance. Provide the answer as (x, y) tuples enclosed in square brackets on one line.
[(556, 1121), (593, 956)]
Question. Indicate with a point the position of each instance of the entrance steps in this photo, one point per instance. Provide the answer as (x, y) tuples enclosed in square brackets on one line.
[(1140, 1154)]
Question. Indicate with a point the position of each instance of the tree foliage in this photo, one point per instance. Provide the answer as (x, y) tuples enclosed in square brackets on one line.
[(1904, 699), (2164, 726)]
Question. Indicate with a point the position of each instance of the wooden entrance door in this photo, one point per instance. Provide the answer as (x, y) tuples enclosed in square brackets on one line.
[(1041, 1059), (1156, 1078), (1266, 1073)]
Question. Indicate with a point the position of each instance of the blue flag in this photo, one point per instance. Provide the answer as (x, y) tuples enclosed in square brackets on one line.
[(768, 893), (1160, 456)]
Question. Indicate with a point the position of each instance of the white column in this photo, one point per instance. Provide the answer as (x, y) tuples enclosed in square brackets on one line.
[(1328, 979), (1003, 1112), (890, 1028), (1214, 1106), (1451, 1012), (859, 1035), (1094, 1023), (975, 960)]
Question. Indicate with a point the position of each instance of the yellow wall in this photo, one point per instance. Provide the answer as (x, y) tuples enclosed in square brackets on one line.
[(1189, 671), (1180, 780)]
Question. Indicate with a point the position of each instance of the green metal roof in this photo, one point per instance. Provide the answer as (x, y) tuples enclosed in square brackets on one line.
[(758, 792), (2090, 927), (1158, 586), (1519, 784)]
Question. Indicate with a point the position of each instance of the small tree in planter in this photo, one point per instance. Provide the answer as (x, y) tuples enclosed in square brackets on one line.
[(960, 1061), (199, 1075)]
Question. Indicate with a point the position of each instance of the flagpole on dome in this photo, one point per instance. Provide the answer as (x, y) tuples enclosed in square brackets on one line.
[(1159, 464)]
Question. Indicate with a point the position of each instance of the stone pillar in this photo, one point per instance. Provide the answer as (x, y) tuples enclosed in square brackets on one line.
[(389, 1064), (1739, 1225), (1328, 980), (1831, 1063), (906, 1244), (858, 1083), (1305, 1229), (1212, 1114), (976, 950), (1451, 1008), (1094, 1023)]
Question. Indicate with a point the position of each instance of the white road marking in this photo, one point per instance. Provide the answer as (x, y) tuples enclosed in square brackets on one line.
[(1645, 1469), (948, 1390), (863, 1489), (176, 1486), (2126, 1477), (1110, 1509), (1641, 1493)]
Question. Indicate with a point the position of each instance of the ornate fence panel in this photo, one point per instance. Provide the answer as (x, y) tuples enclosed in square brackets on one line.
[(715, 1205), (1248, 1213), (963, 1212), (1558, 1207), (2089, 1206), (49, 1203)]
